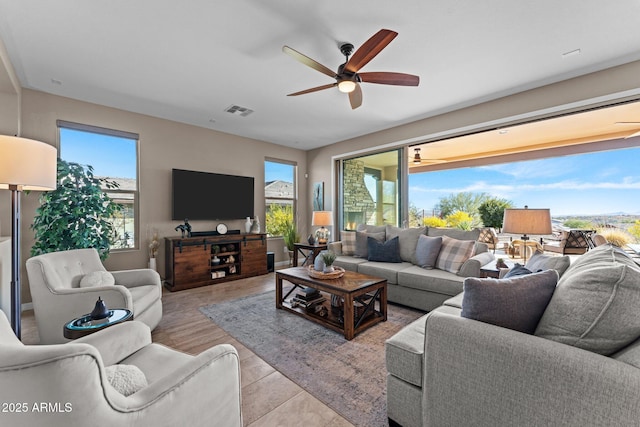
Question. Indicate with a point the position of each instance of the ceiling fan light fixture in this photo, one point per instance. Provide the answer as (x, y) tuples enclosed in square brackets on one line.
[(416, 157), (346, 86)]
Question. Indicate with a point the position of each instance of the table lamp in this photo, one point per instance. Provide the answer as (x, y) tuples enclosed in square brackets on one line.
[(25, 164), (526, 221), (322, 219)]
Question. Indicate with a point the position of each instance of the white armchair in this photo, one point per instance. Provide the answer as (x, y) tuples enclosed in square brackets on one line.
[(54, 281), (67, 385)]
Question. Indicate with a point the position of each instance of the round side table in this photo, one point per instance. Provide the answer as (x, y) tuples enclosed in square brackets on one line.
[(84, 325)]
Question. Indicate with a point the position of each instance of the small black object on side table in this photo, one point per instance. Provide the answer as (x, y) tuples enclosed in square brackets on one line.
[(98, 319)]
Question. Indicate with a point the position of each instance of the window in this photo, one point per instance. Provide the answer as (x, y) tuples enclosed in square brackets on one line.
[(279, 195), (114, 155), (370, 190)]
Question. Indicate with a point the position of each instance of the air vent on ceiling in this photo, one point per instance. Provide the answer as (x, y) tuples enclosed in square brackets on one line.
[(238, 110)]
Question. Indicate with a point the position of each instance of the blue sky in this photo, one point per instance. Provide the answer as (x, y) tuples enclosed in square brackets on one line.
[(274, 171), (586, 184), (109, 155)]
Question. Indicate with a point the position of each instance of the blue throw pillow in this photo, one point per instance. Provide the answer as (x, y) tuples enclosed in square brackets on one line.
[(388, 251), (517, 270)]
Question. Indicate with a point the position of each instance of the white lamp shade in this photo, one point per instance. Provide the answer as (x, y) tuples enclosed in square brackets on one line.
[(322, 218), (527, 221), (26, 163)]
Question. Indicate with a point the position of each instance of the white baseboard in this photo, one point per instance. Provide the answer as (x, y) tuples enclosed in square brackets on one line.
[(27, 306)]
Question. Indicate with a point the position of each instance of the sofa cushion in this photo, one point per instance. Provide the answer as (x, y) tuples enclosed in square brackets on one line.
[(438, 281), (386, 270), (454, 233), (97, 278), (516, 303), (144, 297), (348, 239), (539, 261), (453, 253), (349, 263), (388, 251), (408, 240), (427, 250), (404, 350), (595, 306), (361, 250)]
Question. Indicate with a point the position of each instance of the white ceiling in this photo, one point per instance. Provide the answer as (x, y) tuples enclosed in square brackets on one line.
[(188, 61)]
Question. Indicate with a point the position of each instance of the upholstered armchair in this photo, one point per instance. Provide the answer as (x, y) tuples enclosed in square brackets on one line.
[(65, 285), (73, 384)]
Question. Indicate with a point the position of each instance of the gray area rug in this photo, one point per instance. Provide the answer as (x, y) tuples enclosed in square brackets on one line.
[(348, 376)]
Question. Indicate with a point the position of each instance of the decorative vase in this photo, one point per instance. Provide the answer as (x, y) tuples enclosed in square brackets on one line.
[(247, 225), (152, 264), (255, 227), (100, 311), (318, 263), (215, 260), (311, 239)]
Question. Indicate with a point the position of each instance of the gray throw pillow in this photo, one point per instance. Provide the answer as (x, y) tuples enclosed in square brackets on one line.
[(595, 306), (516, 303), (383, 251), (361, 250), (539, 261), (427, 251), (408, 239)]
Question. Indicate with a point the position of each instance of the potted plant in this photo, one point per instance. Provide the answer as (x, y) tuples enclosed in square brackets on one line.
[(290, 236), (77, 214), (328, 257), (154, 244)]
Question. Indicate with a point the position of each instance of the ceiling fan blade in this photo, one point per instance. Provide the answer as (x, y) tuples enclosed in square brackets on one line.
[(308, 61), (355, 97), (369, 50), (385, 78), (313, 89)]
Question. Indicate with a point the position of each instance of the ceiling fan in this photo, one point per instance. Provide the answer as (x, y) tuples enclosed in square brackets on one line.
[(348, 77), (418, 160)]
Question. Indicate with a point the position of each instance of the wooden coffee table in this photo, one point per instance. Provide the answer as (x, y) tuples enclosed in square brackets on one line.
[(368, 292)]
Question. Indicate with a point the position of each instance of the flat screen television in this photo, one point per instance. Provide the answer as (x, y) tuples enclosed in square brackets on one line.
[(210, 196)]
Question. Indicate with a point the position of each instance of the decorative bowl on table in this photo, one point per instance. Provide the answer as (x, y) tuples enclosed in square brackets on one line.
[(336, 274)]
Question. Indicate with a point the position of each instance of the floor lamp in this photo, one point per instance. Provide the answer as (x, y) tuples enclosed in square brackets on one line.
[(25, 164), (526, 221)]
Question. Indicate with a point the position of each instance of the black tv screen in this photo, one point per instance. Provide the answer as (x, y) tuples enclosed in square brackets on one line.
[(211, 196)]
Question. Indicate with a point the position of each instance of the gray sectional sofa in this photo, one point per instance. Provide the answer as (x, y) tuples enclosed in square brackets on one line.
[(407, 283), (581, 366)]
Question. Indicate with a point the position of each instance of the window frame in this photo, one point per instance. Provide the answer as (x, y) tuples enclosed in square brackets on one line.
[(60, 124)]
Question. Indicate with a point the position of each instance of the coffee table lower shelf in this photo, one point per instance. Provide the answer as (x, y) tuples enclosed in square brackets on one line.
[(365, 292)]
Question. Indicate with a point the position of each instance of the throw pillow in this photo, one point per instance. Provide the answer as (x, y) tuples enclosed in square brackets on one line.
[(97, 278), (361, 243), (539, 261), (453, 253), (126, 379), (595, 306), (408, 240), (383, 251), (517, 270), (427, 251), (348, 239), (516, 303)]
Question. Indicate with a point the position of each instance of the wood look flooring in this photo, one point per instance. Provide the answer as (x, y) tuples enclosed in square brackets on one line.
[(268, 397)]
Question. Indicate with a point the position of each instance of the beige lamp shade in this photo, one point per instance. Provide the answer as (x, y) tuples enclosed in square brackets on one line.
[(527, 221), (27, 164), (322, 218)]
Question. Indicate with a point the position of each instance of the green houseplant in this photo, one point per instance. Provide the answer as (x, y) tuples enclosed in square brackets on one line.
[(328, 257), (77, 214), (291, 236)]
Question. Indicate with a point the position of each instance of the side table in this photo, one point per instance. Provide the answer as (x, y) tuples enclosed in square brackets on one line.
[(310, 255), (490, 270), (84, 325)]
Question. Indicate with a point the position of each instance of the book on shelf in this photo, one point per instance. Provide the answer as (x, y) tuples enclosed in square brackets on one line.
[(308, 296), (305, 303)]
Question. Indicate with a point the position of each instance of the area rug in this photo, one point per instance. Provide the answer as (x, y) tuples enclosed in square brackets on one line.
[(348, 376)]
